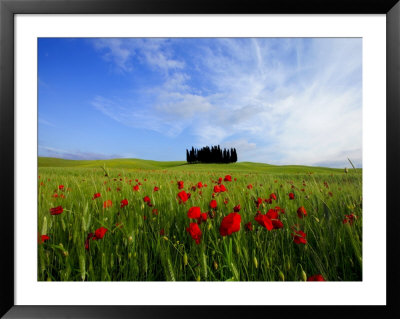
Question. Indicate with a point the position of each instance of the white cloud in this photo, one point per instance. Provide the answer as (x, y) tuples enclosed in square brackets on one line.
[(283, 101)]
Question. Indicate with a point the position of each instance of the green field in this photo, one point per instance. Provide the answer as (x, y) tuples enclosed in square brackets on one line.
[(151, 243)]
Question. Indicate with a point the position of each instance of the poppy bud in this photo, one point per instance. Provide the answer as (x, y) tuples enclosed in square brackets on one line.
[(165, 238), (303, 275), (281, 276), (130, 238), (185, 259), (255, 262), (215, 265), (65, 253)]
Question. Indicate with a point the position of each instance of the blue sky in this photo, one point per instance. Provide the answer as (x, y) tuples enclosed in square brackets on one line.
[(276, 100)]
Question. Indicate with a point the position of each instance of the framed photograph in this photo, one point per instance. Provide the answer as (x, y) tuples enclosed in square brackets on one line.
[(167, 158)]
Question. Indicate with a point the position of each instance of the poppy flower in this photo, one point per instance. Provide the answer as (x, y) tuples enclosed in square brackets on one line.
[(291, 196), (299, 237), (183, 196), (43, 238), (100, 232), (96, 195), (87, 241), (318, 277), (277, 224), (203, 217), (154, 211), (56, 210), (301, 212), (272, 214), (124, 202), (236, 209), (258, 202), (217, 189), (194, 212), (230, 224), (136, 188), (156, 189), (55, 195), (268, 200), (220, 180), (193, 188), (61, 187), (249, 226), (272, 196), (249, 186), (146, 199), (228, 178), (199, 185), (180, 184), (213, 204), (349, 219), (195, 232), (222, 188), (107, 203), (162, 232), (264, 221)]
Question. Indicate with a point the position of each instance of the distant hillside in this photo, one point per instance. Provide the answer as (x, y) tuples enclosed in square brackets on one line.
[(182, 165)]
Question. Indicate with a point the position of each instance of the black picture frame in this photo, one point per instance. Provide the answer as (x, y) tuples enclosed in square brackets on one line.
[(8, 8)]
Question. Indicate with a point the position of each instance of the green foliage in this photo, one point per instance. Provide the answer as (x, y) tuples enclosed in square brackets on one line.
[(134, 249)]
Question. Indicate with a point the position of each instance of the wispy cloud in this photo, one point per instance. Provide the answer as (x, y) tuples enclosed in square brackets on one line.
[(45, 122), (282, 101), (46, 151)]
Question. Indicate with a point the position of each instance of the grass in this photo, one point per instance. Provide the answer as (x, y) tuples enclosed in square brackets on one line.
[(144, 245)]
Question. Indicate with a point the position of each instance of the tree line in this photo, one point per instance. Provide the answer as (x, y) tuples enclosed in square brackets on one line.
[(213, 154)]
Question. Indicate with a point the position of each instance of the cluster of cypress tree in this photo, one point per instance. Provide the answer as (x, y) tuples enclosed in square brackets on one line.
[(213, 154)]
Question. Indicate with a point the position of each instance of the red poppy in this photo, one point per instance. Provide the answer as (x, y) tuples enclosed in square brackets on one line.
[(96, 195), (203, 217), (264, 221), (249, 226), (277, 224), (349, 219), (61, 187), (43, 238), (87, 241), (56, 210), (162, 232), (55, 195), (272, 196), (279, 210), (180, 184), (249, 186), (228, 178), (291, 196), (199, 185), (217, 189), (156, 188), (236, 209), (268, 200), (193, 188), (230, 224), (272, 214), (299, 237), (136, 188), (100, 232), (183, 196), (194, 212), (124, 202), (107, 203), (155, 211), (318, 277), (220, 180), (301, 212), (222, 188), (146, 199), (258, 202), (195, 232), (213, 204)]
